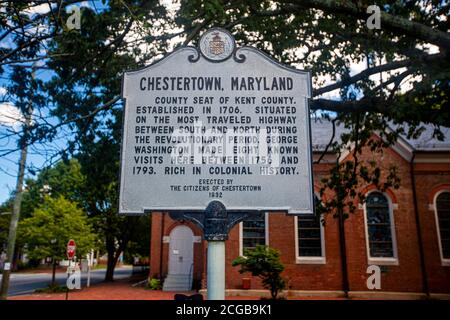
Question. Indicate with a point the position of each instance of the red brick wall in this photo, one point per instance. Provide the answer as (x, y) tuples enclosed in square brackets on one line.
[(430, 179), (158, 263), (155, 244), (404, 277)]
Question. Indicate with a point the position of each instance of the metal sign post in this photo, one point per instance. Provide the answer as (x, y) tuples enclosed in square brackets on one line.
[(215, 276), (67, 280), (71, 249), (90, 259), (216, 224)]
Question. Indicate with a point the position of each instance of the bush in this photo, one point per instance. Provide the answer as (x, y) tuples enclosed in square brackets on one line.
[(263, 262), (52, 289), (31, 264), (20, 265), (154, 284)]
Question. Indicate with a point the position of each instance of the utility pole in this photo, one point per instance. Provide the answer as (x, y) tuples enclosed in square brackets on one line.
[(17, 200)]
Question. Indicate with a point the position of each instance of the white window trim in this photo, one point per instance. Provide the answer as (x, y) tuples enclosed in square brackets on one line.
[(444, 262), (310, 260), (377, 260), (241, 233)]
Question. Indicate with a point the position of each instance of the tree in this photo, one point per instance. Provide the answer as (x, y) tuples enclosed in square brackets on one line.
[(62, 179), (326, 37), (263, 262), (330, 37), (5, 217), (103, 48), (100, 164), (24, 88), (139, 245), (51, 226), (4, 226)]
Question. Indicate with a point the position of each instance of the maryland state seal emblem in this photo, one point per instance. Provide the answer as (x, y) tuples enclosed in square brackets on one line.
[(217, 44)]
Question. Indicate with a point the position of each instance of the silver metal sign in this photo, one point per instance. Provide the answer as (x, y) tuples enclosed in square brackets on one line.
[(216, 123)]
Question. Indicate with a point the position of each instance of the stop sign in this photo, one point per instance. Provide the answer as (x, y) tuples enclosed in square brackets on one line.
[(71, 247)]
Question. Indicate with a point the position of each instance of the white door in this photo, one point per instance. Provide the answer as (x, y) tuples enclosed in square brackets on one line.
[(181, 249)]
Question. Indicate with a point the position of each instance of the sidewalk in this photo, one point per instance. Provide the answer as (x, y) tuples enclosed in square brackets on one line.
[(123, 290), (117, 290)]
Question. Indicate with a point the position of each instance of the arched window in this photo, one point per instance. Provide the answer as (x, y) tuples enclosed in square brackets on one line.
[(380, 231), (253, 232), (443, 223), (310, 241)]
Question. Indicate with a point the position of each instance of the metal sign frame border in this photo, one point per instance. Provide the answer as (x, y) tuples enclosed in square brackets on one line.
[(239, 58)]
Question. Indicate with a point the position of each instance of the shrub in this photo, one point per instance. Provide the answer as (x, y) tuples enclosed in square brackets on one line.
[(154, 284), (52, 288), (263, 262)]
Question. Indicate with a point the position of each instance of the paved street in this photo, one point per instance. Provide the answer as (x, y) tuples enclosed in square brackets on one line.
[(26, 283)]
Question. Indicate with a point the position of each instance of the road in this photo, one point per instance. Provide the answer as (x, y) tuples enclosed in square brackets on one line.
[(26, 283)]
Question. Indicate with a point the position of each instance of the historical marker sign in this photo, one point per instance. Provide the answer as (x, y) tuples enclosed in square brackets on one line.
[(216, 123)]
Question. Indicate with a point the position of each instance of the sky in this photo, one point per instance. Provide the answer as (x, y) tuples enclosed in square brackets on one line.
[(10, 119)]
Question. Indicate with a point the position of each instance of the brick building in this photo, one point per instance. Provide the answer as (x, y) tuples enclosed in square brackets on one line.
[(405, 231)]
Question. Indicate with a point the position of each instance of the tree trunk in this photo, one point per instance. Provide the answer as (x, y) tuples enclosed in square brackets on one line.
[(15, 262), (17, 203), (54, 273), (113, 256), (110, 267), (273, 293)]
